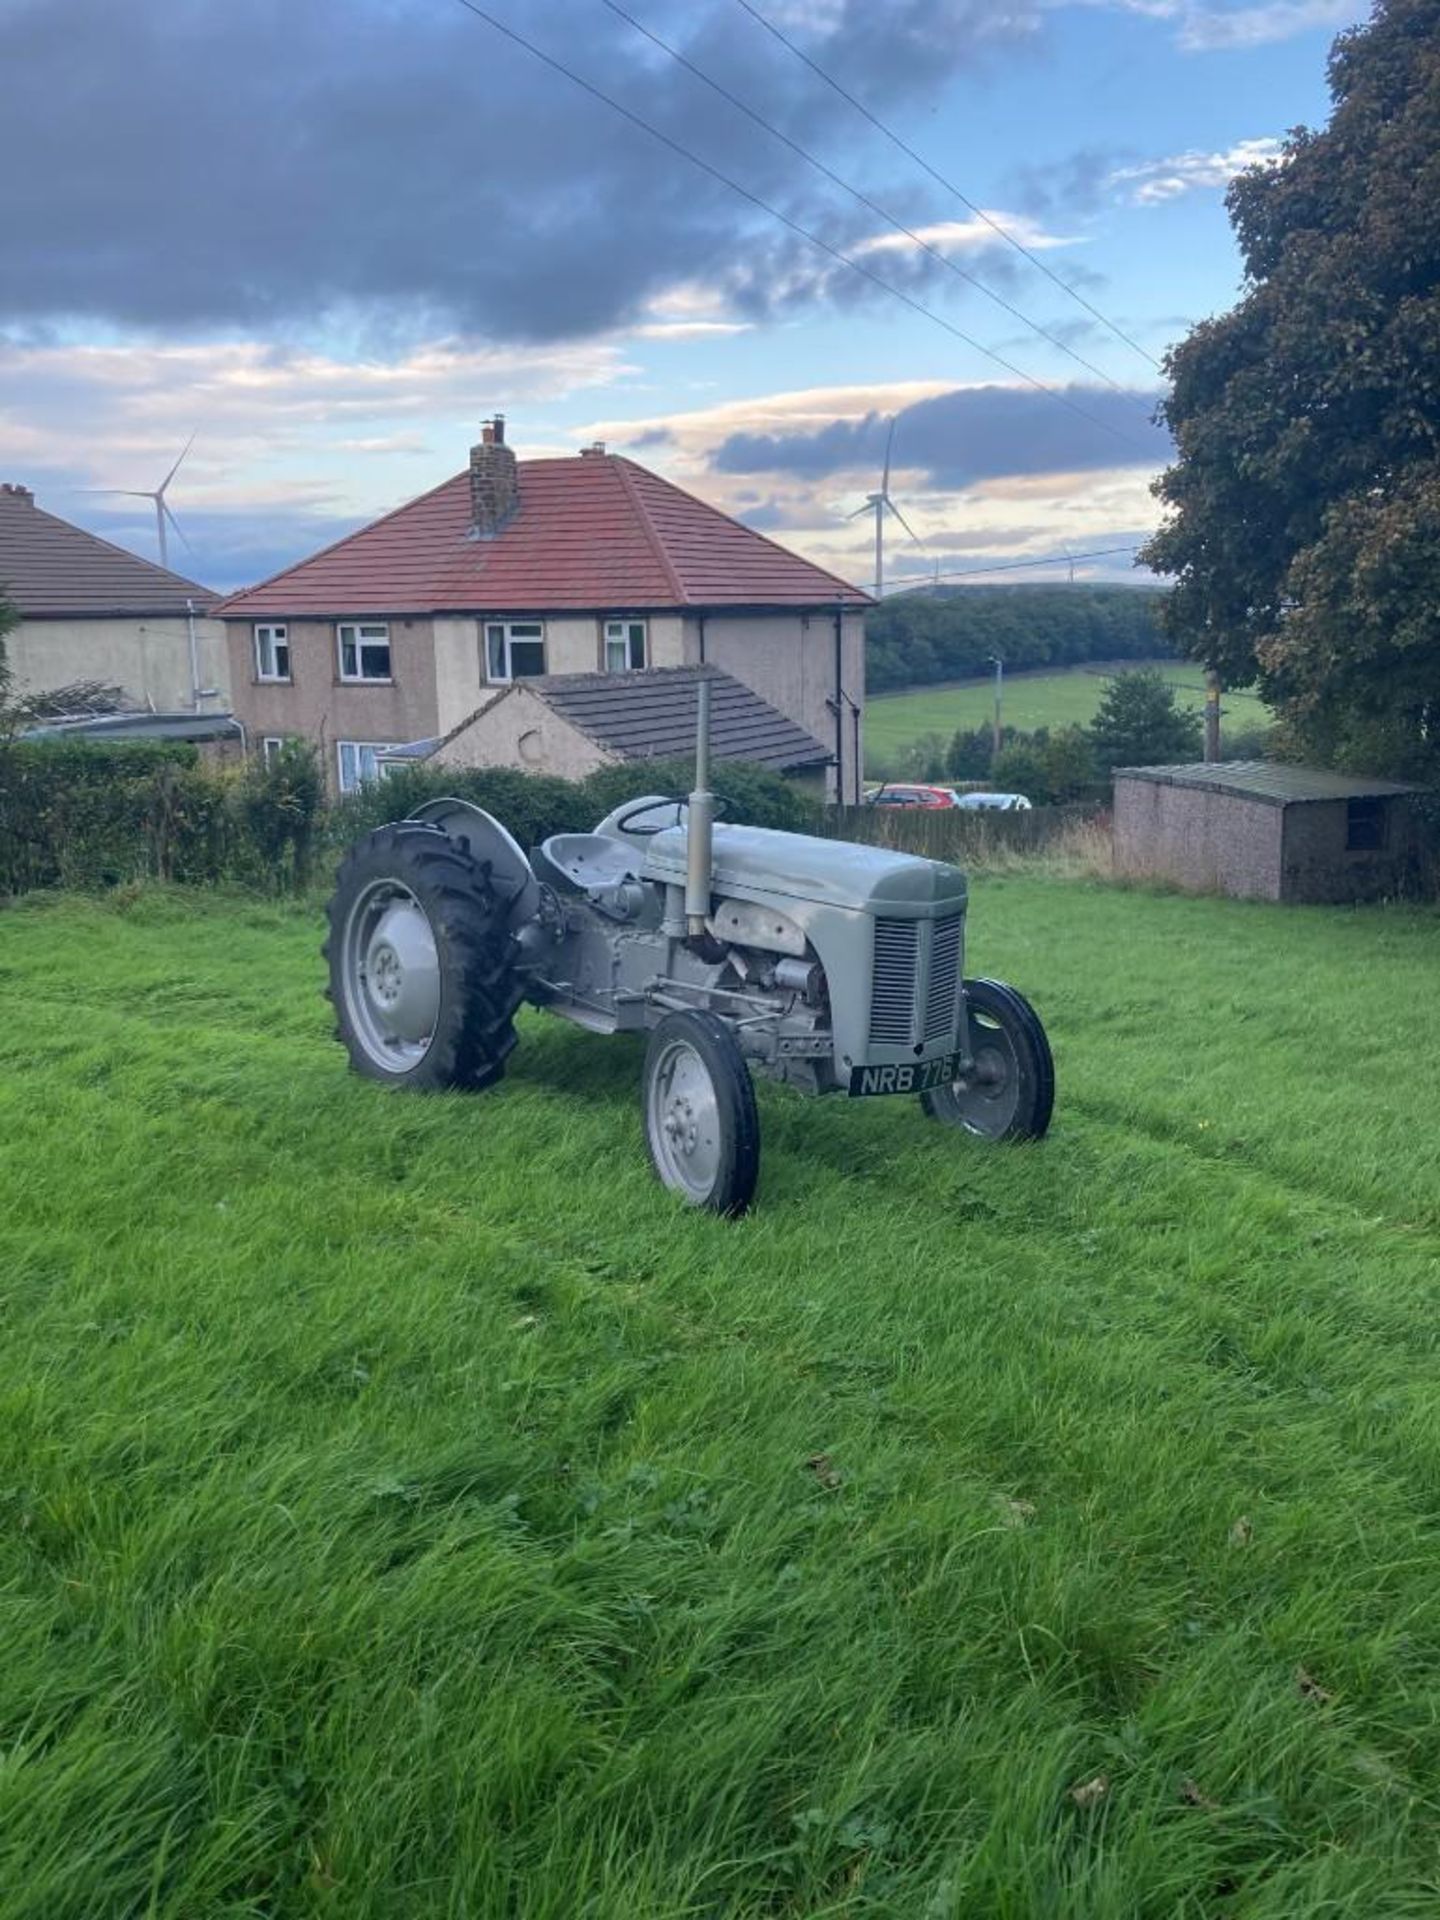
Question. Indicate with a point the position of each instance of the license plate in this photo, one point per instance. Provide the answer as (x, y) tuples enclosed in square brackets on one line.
[(920, 1077)]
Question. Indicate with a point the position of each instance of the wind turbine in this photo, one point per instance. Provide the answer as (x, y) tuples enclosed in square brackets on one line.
[(878, 504), (162, 507)]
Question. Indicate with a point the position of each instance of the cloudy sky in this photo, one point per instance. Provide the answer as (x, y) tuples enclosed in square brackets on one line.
[(328, 236)]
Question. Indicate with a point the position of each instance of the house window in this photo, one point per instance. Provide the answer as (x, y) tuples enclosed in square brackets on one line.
[(271, 748), (514, 649), (1364, 826), (364, 650), (272, 653), (359, 763), (624, 645)]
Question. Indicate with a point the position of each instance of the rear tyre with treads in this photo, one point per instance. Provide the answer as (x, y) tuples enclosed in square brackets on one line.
[(422, 964)]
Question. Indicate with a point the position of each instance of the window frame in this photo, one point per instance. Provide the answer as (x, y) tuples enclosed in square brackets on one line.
[(529, 632), (272, 745), (278, 633), (359, 748), (366, 633), (622, 631)]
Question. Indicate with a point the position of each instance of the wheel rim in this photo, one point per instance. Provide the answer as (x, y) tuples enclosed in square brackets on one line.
[(390, 975), (683, 1118), (988, 1097)]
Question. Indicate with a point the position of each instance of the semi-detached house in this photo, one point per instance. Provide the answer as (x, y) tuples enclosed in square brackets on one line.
[(535, 569)]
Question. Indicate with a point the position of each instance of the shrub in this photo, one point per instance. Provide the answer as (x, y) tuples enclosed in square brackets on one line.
[(1019, 767), (278, 804)]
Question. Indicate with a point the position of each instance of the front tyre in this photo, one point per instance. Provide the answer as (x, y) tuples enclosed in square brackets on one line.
[(422, 964), (1010, 1092), (701, 1125)]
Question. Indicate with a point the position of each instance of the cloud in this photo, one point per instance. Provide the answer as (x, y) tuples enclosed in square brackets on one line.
[(398, 169), (965, 236), (1205, 27), (958, 438), (1153, 181)]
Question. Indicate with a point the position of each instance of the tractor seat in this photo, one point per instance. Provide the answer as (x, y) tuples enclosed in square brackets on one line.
[(592, 862)]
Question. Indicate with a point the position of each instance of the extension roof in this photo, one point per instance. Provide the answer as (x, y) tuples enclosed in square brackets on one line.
[(650, 715), (594, 534), (1266, 780), (51, 569)]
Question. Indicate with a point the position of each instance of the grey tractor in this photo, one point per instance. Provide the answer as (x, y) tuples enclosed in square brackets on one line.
[(832, 967)]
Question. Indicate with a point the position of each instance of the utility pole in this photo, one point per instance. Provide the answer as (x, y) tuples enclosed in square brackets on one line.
[(999, 666), (1212, 714)]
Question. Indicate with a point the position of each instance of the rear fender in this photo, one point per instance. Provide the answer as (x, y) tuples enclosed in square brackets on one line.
[(491, 844)]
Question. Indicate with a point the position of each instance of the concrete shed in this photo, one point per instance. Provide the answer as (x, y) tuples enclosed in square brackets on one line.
[(1262, 831)]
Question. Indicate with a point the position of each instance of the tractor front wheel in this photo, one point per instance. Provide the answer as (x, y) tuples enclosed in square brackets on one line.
[(422, 964), (1010, 1091), (701, 1124)]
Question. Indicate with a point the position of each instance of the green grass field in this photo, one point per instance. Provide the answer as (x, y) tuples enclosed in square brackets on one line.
[(409, 1511), (893, 720)]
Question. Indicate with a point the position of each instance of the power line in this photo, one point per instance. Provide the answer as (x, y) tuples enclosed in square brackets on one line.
[(949, 185), (835, 253), (881, 213), (1011, 566)]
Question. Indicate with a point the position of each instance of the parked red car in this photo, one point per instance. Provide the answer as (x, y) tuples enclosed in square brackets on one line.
[(897, 794)]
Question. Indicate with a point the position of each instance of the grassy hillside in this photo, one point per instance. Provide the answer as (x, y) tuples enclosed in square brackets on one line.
[(893, 720), (410, 1511)]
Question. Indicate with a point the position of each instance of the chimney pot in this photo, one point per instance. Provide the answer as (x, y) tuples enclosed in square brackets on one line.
[(16, 492)]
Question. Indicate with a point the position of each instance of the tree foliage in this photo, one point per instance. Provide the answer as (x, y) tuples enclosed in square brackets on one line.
[(1305, 532), (915, 639), (1140, 723)]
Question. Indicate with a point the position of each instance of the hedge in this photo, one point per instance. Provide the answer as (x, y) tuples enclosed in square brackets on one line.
[(91, 815)]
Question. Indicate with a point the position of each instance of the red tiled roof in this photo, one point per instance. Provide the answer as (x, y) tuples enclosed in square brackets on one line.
[(591, 533), (49, 567)]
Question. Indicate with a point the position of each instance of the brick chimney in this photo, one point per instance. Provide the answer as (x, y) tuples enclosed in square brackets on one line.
[(14, 491), (494, 486)]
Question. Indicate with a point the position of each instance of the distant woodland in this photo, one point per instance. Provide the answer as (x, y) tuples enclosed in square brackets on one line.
[(950, 633)]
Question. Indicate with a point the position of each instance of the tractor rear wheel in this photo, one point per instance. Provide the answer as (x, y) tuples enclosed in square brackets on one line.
[(422, 963), (701, 1124), (1010, 1092)]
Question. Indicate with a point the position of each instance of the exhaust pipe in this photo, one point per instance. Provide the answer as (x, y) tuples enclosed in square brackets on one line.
[(700, 832)]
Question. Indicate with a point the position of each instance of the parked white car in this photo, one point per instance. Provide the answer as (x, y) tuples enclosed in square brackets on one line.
[(997, 802)]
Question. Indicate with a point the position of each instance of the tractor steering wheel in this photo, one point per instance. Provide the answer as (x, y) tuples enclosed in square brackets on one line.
[(680, 804)]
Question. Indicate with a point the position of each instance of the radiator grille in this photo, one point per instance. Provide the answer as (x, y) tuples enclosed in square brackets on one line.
[(940, 1015), (892, 1007)]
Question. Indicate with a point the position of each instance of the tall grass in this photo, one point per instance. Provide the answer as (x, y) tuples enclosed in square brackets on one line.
[(409, 1511)]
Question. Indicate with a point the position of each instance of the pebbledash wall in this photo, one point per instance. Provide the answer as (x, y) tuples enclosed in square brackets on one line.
[(148, 655), (438, 676), (1204, 842), (1258, 848)]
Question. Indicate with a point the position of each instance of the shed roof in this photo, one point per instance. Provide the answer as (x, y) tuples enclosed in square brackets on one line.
[(51, 569), (141, 726), (650, 715), (590, 533), (1266, 780)]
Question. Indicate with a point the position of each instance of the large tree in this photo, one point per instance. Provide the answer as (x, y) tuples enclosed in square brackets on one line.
[(1305, 525)]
